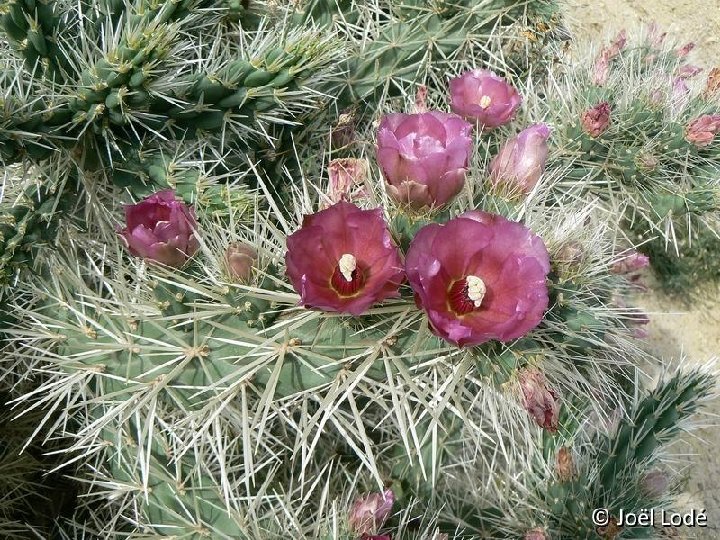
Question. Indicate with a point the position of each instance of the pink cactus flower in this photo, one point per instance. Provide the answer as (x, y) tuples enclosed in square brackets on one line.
[(521, 161), (702, 130), (240, 258), (160, 229), (539, 399), (367, 514), (343, 259), (479, 277), (596, 120), (424, 157), (483, 97), (633, 261), (683, 51)]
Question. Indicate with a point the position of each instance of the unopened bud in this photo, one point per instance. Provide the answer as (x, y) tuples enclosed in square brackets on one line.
[(240, 258)]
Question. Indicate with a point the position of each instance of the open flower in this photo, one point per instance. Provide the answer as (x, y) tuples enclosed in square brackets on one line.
[(367, 514), (483, 97), (160, 229), (424, 156), (479, 277), (343, 259), (521, 161)]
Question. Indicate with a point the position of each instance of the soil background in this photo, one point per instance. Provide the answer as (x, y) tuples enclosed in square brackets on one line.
[(683, 332)]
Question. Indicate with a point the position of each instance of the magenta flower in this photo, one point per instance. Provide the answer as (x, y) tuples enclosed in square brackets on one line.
[(596, 120), (343, 259), (521, 161), (240, 258), (424, 156), (479, 277), (539, 399), (483, 97), (160, 229), (703, 129), (367, 514)]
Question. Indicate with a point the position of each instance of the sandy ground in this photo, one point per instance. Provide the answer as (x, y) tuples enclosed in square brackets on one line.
[(683, 334)]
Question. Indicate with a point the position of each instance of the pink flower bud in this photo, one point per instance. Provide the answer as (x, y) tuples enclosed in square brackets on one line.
[(601, 70), (680, 93), (703, 129), (685, 49), (655, 36), (713, 82), (539, 399), (160, 229), (521, 161), (424, 157), (367, 514), (633, 261), (565, 466), (483, 97), (347, 176), (617, 45), (689, 71), (240, 258), (596, 120), (654, 484), (537, 533)]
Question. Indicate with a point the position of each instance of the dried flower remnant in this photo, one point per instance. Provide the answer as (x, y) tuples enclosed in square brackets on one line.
[(596, 120), (539, 399), (240, 258), (367, 514)]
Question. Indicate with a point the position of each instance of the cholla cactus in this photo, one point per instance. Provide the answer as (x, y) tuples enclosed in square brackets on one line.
[(250, 366)]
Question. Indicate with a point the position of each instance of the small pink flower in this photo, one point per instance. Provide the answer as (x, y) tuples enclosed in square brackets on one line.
[(367, 514), (539, 399), (521, 161), (633, 261), (240, 258), (596, 120), (343, 259), (685, 49), (483, 97), (702, 130), (160, 229), (479, 277), (424, 157)]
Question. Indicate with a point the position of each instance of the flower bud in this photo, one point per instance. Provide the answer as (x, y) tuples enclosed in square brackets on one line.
[(160, 229), (617, 45), (565, 466), (240, 258), (538, 533), (680, 93), (483, 97), (689, 71), (633, 261), (538, 399), (683, 51), (347, 176), (596, 120), (655, 36), (424, 157), (521, 161), (713, 82), (343, 132), (367, 514), (601, 70), (703, 129), (654, 484)]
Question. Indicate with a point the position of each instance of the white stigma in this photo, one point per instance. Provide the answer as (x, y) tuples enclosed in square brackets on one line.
[(347, 264), (485, 102), (475, 289)]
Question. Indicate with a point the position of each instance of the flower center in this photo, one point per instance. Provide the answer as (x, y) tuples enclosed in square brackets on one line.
[(347, 279), (466, 295), (485, 102)]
